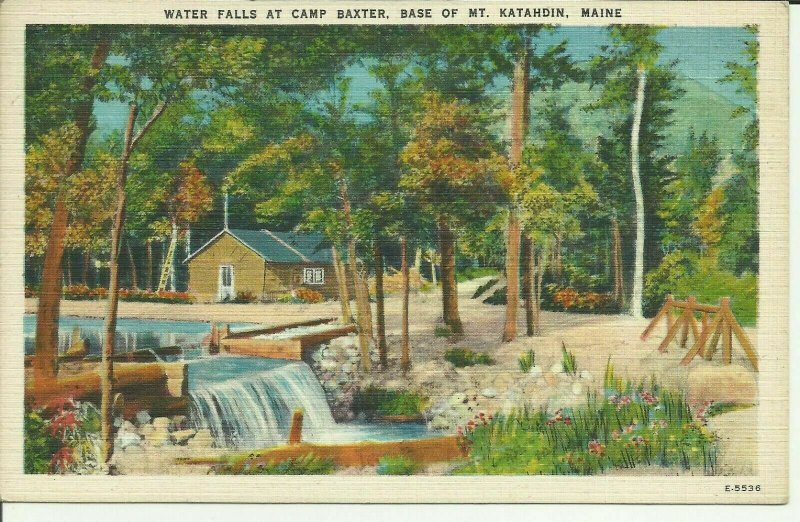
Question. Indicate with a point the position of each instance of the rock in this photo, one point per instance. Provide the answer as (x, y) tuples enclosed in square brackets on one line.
[(146, 430), (329, 365), (126, 439), (456, 399), (556, 369), (178, 421), (161, 423), (577, 388), (158, 437), (128, 426), (586, 375), (201, 440), (181, 436), (142, 417), (732, 383), (535, 372), (489, 393)]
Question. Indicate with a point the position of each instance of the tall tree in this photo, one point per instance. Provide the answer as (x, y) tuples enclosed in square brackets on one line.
[(452, 167), (84, 95)]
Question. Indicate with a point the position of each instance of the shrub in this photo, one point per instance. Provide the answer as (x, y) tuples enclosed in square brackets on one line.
[(380, 402), (685, 274), (646, 426), (461, 357), (397, 465), (308, 295), (83, 292), (63, 438), (245, 296), (484, 287), (308, 464), (570, 300), (498, 297), (442, 330), (568, 361), (527, 361)]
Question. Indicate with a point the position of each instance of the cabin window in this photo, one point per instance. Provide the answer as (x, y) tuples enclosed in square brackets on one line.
[(313, 276)]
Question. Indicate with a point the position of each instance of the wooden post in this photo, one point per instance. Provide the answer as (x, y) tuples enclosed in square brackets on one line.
[(296, 430), (665, 310), (213, 345)]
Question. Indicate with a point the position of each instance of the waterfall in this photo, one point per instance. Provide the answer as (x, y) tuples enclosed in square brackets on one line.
[(248, 402)]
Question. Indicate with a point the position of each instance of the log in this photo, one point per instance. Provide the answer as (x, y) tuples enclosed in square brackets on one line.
[(296, 430), (671, 333), (665, 310), (136, 376), (743, 339), (699, 344), (290, 349), (360, 454), (279, 328)]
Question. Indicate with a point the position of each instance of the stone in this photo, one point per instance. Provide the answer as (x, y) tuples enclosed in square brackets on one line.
[(201, 440), (178, 421), (142, 417), (732, 383), (146, 430), (329, 365), (456, 399), (577, 388), (161, 423), (556, 369), (181, 436), (489, 393), (535, 372), (128, 426), (126, 439), (504, 381), (158, 437), (586, 375)]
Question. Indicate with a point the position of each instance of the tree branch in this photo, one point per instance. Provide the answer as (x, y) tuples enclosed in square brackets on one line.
[(157, 112)]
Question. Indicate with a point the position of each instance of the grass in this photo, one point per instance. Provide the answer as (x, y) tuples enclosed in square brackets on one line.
[(461, 357), (474, 272), (568, 363), (630, 426), (308, 464), (380, 402), (442, 331), (527, 361), (397, 465), (484, 287), (718, 408)]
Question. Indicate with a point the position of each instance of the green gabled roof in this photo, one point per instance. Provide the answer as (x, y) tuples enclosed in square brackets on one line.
[(278, 247)]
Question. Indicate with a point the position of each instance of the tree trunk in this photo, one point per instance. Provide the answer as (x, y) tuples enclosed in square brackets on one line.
[(638, 266), (85, 275), (149, 248), (447, 247), (405, 355), (69, 269), (433, 272), (341, 281), (537, 312), (379, 308), (110, 326), (418, 259), (617, 262), (362, 300), (49, 304), (132, 262), (519, 101), (171, 260), (527, 283)]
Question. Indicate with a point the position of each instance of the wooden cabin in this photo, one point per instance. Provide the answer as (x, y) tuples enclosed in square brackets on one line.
[(263, 263)]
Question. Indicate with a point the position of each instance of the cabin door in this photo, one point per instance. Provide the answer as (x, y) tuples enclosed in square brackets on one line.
[(225, 283)]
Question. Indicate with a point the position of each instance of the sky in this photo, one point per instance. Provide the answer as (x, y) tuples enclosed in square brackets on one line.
[(701, 53)]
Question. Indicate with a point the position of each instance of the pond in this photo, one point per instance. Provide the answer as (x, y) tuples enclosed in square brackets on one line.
[(132, 334)]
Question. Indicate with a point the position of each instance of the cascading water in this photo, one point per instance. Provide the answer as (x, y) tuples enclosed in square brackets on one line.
[(248, 402)]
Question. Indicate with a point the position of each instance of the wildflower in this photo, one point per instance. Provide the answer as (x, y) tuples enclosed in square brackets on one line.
[(648, 398), (596, 448), (567, 421), (616, 435)]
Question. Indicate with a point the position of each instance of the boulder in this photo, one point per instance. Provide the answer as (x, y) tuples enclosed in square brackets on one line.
[(158, 437), (535, 372), (457, 399), (181, 436), (142, 417), (126, 439), (201, 440), (489, 393), (178, 422), (161, 423), (577, 388), (586, 375), (711, 382), (556, 369), (146, 430)]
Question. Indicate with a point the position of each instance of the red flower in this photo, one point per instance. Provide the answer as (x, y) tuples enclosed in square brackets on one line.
[(61, 459), (60, 424)]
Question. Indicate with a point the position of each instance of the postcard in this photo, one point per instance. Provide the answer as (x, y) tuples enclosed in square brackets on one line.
[(351, 251)]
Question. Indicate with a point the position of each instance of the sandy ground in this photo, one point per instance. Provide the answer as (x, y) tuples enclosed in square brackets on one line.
[(592, 338)]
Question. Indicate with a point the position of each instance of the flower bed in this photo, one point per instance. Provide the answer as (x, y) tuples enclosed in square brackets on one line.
[(629, 426), (83, 292)]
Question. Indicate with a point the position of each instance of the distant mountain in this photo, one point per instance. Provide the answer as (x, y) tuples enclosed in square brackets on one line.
[(700, 108)]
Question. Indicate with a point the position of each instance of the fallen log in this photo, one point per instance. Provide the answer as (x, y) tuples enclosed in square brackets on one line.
[(142, 377), (423, 451)]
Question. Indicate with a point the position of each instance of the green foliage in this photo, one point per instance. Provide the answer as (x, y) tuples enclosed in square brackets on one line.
[(527, 361), (568, 361), (442, 331), (245, 296), (646, 426), (498, 297), (308, 464), (40, 445), (474, 272), (461, 357), (378, 402), (397, 465), (720, 408), (684, 274), (484, 287)]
